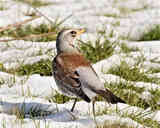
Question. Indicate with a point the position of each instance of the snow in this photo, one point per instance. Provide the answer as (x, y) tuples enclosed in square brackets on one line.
[(60, 117), (23, 94), (59, 113), (146, 95), (31, 87), (91, 10), (156, 116), (24, 52)]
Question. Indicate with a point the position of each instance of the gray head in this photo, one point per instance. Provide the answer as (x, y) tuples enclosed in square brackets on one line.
[(66, 40)]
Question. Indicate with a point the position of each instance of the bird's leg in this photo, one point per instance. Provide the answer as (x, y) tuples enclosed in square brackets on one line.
[(63, 99), (74, 105), (73, 117), (93, 110), (93, 107)]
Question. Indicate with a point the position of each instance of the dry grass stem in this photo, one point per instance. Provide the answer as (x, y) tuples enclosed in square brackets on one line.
[(30, 37), (18, 24)]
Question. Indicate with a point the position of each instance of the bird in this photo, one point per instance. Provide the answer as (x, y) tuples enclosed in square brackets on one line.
[(73, 73)]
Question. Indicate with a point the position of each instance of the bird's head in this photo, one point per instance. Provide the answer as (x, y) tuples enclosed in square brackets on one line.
[(66, 40)]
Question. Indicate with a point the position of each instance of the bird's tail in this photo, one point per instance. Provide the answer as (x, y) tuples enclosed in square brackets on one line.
[(109, 96)]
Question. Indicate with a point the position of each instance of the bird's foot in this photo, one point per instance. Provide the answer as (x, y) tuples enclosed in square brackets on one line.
[(73, 117)]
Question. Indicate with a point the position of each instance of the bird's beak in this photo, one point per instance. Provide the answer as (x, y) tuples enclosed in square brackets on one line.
[(80, 31)]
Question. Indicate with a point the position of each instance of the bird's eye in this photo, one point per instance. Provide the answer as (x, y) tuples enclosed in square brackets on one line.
[(73, 32)]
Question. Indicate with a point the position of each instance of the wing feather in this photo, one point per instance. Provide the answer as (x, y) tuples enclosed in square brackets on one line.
[(69, 78)]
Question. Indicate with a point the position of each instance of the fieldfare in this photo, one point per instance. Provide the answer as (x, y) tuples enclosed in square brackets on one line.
[(74, 74)]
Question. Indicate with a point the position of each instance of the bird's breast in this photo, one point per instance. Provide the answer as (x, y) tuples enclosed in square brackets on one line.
[(72, 60)]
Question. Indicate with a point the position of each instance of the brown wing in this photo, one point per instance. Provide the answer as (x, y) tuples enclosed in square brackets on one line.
[(74, 69), (65, 71), (67, 65)]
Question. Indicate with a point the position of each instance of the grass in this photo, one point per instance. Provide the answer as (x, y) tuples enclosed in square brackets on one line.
[(37, 112), (116, 24), (139, 117), (153, 70), (35, 3), (153, 34), (155, 99), (2, 8), (1, 81), (100, 51), (131, 73), (29, 30), (94, 53), (116, 125), (112, 15), (59, 98), (129, 93), (126, 49), (43, 67), (124, 11)]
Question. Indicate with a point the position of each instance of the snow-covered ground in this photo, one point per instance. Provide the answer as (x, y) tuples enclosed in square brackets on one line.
[(20, 95)]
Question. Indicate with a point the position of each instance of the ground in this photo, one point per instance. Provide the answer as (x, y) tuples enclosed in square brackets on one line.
[(122, 42)]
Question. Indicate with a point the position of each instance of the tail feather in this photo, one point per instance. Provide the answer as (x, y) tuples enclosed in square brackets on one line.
[(82, 95), (109, 96)]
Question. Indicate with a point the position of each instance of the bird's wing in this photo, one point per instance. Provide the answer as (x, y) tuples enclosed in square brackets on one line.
[(91, 83), (65, 73), (67, 65), (89, 77), (80, 78), (76, 71), (68, 76)]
